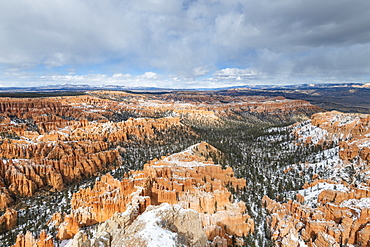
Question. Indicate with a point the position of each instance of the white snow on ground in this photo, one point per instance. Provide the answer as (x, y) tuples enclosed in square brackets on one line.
[(306, 130), (153, 231), (344, 119), (160, 104), (297, 240), (364, 143), (181, 162), (65, 243), (327, 161), (179, 159), (311, 194), (310, 131), (357, 203)]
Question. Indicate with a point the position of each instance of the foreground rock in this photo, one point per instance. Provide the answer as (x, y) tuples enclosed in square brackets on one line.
[(334, 209), (162, 225), (189, 181)]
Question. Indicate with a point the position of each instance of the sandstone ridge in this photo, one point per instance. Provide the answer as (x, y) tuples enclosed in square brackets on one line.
[(187, 180)]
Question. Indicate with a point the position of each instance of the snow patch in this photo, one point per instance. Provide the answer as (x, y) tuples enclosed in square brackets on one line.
[(357, 203), (153, 233), (311, 194)]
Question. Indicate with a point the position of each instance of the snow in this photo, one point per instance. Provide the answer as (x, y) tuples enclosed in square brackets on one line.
[(179, 158), (297, 240), (357, 203), (158, 104), (65, 243), (364, 143), (96, 110), (306, 130), (344, 119), (311, 194), (310, 131), (153, 233), (179, 162)]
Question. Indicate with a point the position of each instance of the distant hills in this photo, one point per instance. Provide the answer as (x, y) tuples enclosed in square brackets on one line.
[(348, 97)]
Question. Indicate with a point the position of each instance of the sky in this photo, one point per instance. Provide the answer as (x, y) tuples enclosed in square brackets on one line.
[(183, 43)]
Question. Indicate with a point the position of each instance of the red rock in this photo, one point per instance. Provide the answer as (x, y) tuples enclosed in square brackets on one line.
[(29, 240), (8, 220), (163, 181)]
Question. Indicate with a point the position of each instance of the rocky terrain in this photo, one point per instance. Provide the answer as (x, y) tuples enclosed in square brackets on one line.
[(333, 209), (189, 181), (55, 150), (205, 108), (48, 144)]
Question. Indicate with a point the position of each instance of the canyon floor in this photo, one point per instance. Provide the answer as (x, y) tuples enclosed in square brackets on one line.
[(193, 168)]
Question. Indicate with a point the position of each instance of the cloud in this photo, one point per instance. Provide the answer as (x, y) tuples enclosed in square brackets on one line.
[(150, 75), (286, 40), (234, 72), (200, 71), (148, 79)]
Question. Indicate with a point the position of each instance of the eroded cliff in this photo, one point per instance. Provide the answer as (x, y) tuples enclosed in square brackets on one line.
[(334, 209), (188, 180)]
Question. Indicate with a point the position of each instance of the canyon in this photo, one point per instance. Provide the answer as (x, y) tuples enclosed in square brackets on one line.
[(333, 209), (189, 168), (187, 180)]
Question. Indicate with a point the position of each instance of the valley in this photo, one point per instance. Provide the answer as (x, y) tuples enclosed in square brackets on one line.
[(244, 170)]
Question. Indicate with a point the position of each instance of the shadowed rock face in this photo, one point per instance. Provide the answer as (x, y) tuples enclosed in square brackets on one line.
[(185, 179), (8, 220), (333, 210)]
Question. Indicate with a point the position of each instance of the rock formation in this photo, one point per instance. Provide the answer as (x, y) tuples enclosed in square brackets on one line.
[(162, 225), (29, 240), (185, 179), (335, 210), (46, 149), (201, 108), (8, 220), (52, 142)]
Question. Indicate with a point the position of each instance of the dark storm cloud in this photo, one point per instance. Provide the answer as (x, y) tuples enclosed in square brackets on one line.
[(277, 40)]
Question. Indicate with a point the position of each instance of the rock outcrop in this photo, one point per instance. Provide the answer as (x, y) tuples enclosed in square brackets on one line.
[(334, 210), (185, 179), (51, 143), (327, 224), (8, 220), (163, 225), (29, 240)]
